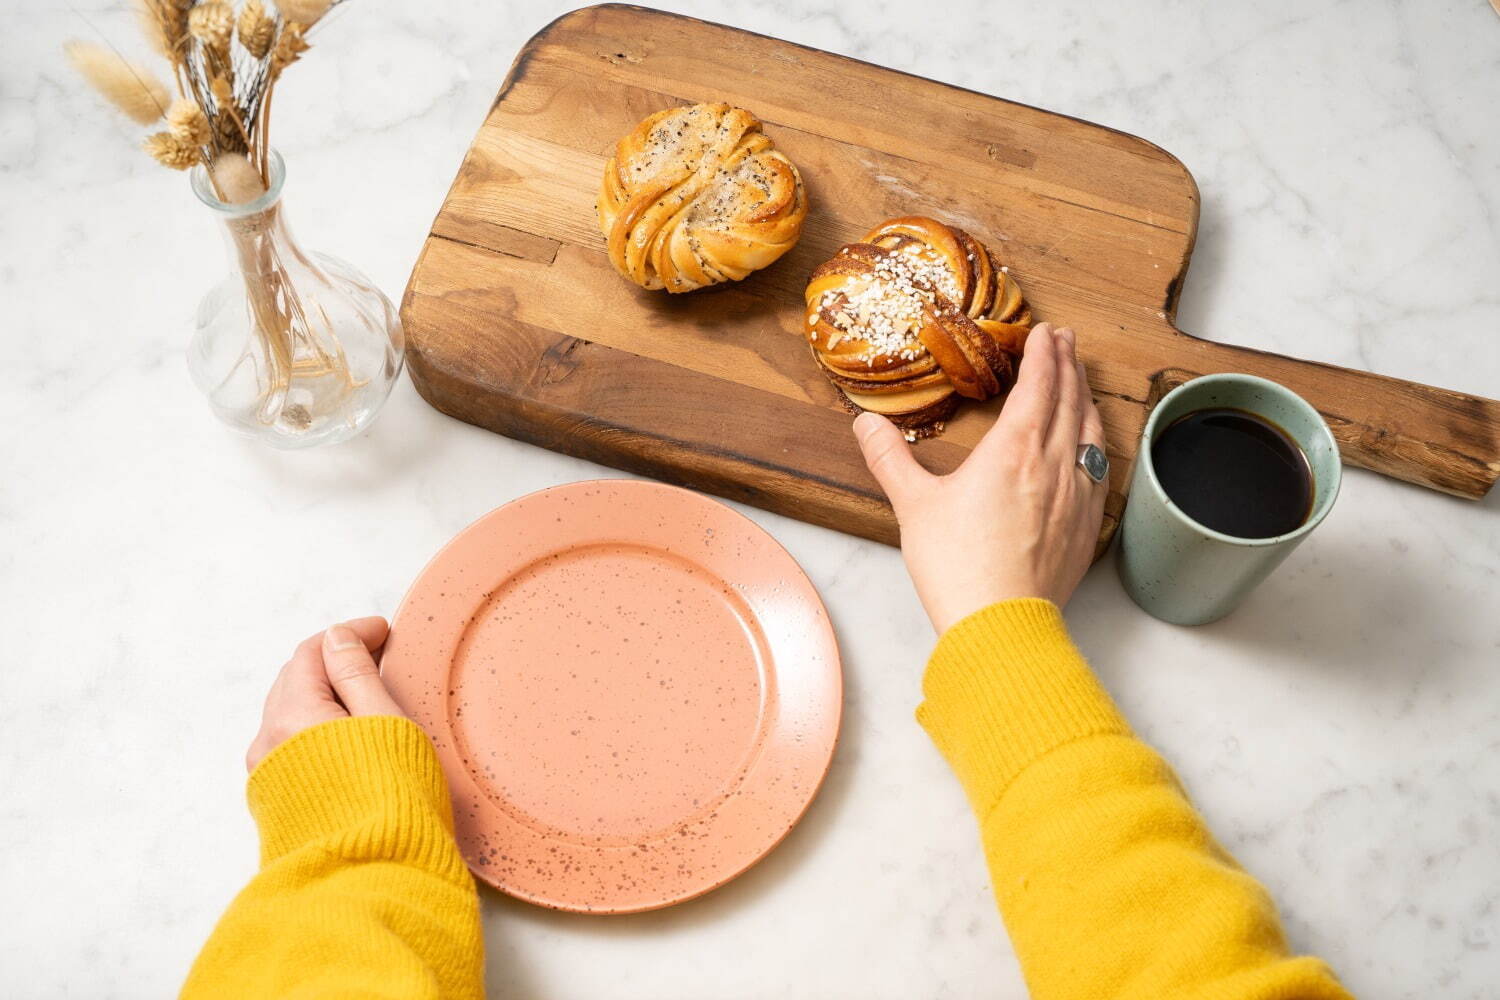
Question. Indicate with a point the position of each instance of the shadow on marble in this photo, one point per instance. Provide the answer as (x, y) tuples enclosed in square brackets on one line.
[(406, 435), (1319, 613), (1102, 620), (1490, 504), (1205, 274)]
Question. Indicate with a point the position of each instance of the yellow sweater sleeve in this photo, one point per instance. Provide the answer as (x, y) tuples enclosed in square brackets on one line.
[(1109, 883), (361, 890)]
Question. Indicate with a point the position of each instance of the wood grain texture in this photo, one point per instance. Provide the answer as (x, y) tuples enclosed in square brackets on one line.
[(516, 322)]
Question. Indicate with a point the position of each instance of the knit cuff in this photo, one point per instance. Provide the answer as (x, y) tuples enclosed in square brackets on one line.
[(1004, 687), (356, 774)]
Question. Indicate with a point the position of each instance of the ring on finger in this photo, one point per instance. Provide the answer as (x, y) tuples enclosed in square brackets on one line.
[(1093, 462)]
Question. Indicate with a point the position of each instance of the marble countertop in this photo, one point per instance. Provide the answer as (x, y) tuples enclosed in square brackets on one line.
[(1341, 732)]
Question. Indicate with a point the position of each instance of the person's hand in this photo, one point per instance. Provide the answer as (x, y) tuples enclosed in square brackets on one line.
[(1019, 518), (332, 675)]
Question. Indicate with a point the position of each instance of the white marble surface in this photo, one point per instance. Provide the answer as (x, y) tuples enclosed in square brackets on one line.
[(1341, 733)]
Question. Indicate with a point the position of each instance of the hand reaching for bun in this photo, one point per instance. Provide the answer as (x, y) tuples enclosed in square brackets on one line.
[(1019, 518)]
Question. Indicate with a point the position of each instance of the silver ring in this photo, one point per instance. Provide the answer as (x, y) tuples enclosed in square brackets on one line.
[(1093, 462)]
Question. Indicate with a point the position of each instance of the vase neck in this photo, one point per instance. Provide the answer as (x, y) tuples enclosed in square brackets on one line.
[(208, 185), (262, 241), (256, 234)]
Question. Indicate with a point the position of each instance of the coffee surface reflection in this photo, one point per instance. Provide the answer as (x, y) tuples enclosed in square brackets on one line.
[(1234, 472)]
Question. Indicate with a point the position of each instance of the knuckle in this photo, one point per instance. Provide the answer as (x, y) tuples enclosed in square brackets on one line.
[(353, 668), (1017, 459), (882, 454), (1008, 462), (1032, 429)]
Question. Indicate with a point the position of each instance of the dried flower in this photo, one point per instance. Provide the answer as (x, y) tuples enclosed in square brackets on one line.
[(149, 12), (164, 23), (230, 132), (289, 48), (171, 150), (212, 23), (257, 29), (236, 179), (131, 88), (188, 122), (303, 12)]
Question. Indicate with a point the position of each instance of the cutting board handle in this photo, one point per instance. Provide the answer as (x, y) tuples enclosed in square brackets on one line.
[(1433, 437)]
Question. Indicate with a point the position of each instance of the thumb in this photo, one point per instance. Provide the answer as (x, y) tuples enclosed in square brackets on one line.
[(889, 457), (352, 672)]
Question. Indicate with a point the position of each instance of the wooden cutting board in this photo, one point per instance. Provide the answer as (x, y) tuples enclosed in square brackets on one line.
[(516, 322)]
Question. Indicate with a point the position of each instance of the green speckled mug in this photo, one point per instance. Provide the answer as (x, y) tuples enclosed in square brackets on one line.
[(1183, 572)]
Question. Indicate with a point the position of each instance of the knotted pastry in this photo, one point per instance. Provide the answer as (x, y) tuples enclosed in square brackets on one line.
[(698, 195), (913, 316)]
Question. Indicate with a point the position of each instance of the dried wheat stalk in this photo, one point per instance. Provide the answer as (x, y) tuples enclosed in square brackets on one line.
[(187, 121), (224, 60), (133, 89), (225, 64), (172, 150), (255, 29), (237, 179), (303, 12)]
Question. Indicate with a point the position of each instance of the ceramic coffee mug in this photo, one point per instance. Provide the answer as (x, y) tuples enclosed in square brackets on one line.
[(1183, 572)]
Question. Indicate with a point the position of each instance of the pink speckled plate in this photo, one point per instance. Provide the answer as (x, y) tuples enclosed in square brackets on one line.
[(634, 690)]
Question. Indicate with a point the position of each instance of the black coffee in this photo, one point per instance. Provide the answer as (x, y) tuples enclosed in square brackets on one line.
[(1234, 472)]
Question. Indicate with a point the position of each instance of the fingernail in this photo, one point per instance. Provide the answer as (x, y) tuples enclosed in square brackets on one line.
[(340, 637)]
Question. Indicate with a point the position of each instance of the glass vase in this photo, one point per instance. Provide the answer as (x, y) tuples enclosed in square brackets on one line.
[(292, 348)]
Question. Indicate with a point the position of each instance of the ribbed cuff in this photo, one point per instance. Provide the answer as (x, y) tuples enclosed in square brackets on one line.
[(1005, 686), (355, 782)]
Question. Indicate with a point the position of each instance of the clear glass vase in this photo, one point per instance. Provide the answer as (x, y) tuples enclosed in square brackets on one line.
[(294, 349)]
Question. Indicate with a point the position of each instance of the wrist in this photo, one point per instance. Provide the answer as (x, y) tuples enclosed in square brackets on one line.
[(956, 602), (945, 616)]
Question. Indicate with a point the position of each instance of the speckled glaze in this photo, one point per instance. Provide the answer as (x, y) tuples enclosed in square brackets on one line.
[(634, 690), (1183, 572)]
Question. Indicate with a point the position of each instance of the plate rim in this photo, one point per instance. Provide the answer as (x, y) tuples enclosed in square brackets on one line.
[(825, 635)]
